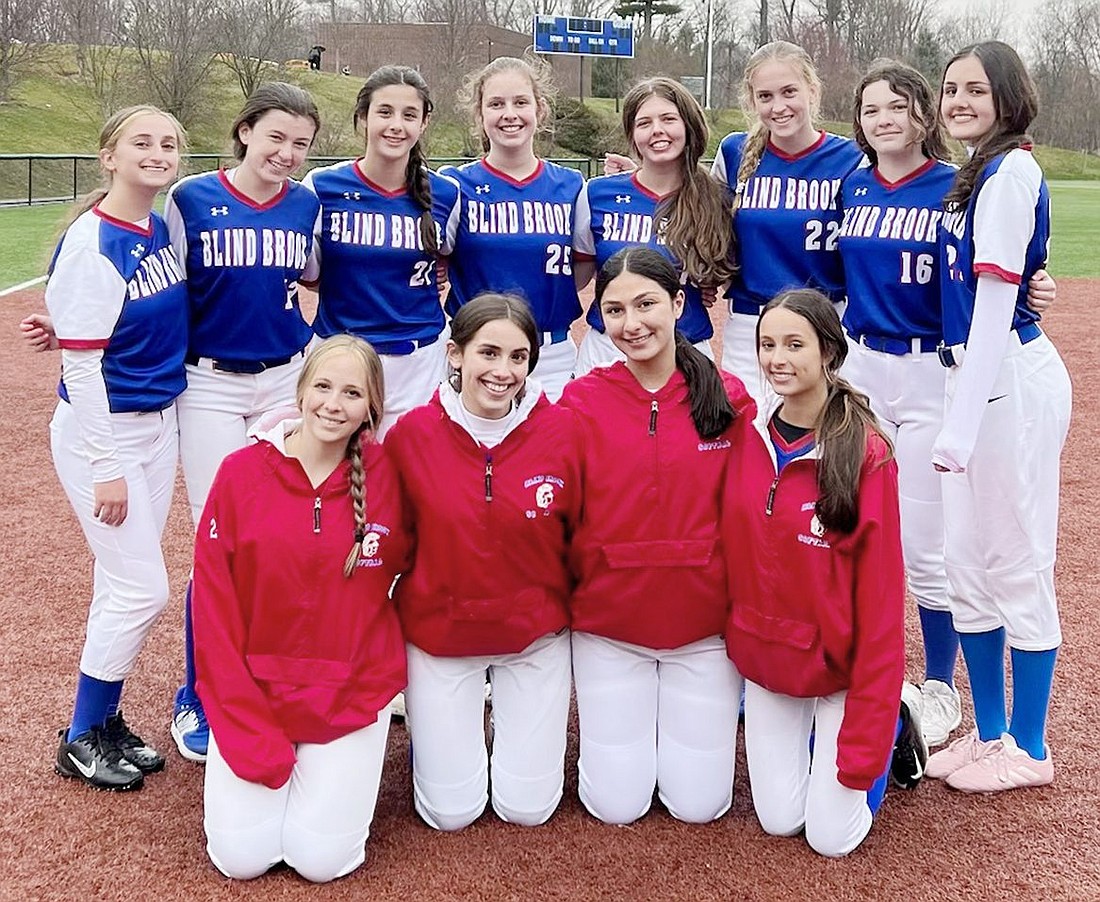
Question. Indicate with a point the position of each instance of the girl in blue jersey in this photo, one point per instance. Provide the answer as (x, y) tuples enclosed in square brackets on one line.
[(385, 220), (515, 231), (669, 203), (118, 304), (243, 235), (1007, 414), (892, 214), (786, 175)]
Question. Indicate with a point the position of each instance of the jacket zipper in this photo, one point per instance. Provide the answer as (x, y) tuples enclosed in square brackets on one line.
[(771, 496), (488, 477), (653, 417), (317, 514)]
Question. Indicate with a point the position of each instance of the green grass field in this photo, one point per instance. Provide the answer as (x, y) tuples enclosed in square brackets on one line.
[(28, 234)]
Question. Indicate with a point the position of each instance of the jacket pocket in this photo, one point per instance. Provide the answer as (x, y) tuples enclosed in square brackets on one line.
[(780, 630), (661, 553), (501, 609), (299, 671)]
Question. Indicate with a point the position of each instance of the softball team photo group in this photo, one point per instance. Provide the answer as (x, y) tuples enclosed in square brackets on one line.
[(429, 493)]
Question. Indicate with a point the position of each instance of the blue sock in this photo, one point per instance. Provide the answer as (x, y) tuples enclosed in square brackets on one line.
[(877, 792), (93, 702), (985, 662), (189, 647), (1032, 674), (114, 698), (941, 645)]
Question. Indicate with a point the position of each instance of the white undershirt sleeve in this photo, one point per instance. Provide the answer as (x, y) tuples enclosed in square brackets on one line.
[(83, 372), (994, 304)]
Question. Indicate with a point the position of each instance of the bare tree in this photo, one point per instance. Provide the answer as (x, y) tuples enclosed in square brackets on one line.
[(1066, 45), (21, 22), (173, 39), (254, 33), (97, 31)]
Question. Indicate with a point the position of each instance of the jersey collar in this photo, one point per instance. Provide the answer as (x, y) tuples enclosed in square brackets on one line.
[(905, 179), (505, 177), (237, 194), (378, 189), (790, 158), (144, 231)]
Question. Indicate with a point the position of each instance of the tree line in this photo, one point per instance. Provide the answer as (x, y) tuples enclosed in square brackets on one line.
[(173, 44)]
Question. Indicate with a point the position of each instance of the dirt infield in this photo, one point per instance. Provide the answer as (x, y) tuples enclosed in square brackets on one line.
[(60, 840)]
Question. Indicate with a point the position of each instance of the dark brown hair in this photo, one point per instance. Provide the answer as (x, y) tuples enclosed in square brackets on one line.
[(711, 410), (273, 95), (489, 307), (695, 219), (924, 113), (1016, 103), (842, 426), (416, 170)]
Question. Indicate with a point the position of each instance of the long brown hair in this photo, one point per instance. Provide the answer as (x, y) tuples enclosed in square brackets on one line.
[(695, 219), (711, 409), (841, 428), (375, 386), (1016, 103), (416, 170)]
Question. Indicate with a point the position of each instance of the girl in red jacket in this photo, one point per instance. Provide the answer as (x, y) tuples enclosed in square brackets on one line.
[(810, 525), (491, 476), (656, 694), (298, 648)]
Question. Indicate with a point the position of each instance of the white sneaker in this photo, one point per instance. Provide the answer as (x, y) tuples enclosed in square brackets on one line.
[(941, 711)]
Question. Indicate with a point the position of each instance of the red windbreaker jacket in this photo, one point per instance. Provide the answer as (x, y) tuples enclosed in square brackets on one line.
[(646, 553), (287, 649), (492, 525), (815, 611)]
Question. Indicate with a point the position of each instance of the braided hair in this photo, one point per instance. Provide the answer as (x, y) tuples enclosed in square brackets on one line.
[(416, 170)]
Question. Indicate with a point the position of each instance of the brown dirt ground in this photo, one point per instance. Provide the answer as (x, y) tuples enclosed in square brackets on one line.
[(60, 840)]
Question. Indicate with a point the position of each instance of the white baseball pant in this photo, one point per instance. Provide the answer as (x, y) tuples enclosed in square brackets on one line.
[(906, 394), (1001, 515), (557, 362), (317, 822), (217, 409), (655, 718), (130, 583), (791, 792), (445, 716)]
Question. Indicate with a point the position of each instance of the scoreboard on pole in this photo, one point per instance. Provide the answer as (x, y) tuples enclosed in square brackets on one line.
[(587, 37)]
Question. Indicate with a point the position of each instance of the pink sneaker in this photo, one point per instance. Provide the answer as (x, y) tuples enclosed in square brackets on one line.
[(1003, 766), (963, 751)]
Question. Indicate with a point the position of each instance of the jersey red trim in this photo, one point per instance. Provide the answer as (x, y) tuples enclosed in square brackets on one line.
[(145, 231), (992, 269), (653, 195), (83, 344), (905, 179), (518, 183), (237, 194), (791, 157), (577, 255), (378, 189)]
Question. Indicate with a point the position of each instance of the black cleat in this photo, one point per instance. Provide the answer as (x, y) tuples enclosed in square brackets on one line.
[(96, 760), (910, 751), (134, 749)]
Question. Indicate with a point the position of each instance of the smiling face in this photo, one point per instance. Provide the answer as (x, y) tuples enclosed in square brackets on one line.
[(966, 101), (509, 112), (886, 118), (276, 145), (494, 365), (394, 123), (790, 357), (335, 401), (784, 101), (658, 134), (640, 318), (146, 154)]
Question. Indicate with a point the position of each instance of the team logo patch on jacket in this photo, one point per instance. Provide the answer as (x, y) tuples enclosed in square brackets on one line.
[(816, 536), (372, 545), (544, 491)]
